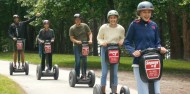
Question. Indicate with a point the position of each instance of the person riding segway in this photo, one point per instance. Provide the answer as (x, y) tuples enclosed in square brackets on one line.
[(143, 34), (110, 52), (16, 33), (46, 38), (79, 34)]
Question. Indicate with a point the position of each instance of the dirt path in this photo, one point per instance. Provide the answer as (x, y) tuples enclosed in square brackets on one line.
[(170, 84)]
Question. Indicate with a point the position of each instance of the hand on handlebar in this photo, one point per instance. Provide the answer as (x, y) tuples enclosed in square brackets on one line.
[(41, 41), (163, 50), (52, 40), (104, 44), (90, 41), (137, 53), (120, 43), (14, 39), (78, 42)]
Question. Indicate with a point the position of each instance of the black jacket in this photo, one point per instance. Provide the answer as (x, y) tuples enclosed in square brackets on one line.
[(46, 35), (17, 30)]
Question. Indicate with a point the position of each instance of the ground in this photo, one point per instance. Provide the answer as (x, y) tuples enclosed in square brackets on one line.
[(170, 83)]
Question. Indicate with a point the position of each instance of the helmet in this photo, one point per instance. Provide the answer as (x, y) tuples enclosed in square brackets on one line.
[(15, 16), (77, 15), (45, 21), (144, 5), (112, 13)]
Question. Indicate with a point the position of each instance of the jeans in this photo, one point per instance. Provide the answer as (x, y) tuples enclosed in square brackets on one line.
[(78, 58), (40, 50), (104, 65), (142, 86)]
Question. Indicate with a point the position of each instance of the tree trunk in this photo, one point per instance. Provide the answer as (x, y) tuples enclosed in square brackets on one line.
[(161, 32), (95, 33), (175, 40), (186, 34)]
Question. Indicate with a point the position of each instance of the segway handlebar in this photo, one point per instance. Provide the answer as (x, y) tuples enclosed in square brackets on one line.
[(157, 50), (20, 39), (85, 42), (112, 44)]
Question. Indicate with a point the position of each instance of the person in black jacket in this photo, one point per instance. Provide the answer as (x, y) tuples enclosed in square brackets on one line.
[(46, 34), (16, 30)]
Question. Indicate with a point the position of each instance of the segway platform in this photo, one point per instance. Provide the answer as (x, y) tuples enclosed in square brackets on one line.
[(19, 70)]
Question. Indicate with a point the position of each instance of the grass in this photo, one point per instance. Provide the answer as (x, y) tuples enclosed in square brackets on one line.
[(170, 66), (8, 86)]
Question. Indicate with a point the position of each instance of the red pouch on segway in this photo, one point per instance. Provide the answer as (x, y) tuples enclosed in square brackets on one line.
[(47, 48), (19, 45), (85, 50), (113, 56), (152, 68)]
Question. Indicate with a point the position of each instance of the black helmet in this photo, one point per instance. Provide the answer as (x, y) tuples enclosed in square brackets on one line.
[(45, 21), (77, 15), (15, 16), (145, 5)]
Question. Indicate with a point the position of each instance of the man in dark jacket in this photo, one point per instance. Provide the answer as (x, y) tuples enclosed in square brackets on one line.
[(16, 30)]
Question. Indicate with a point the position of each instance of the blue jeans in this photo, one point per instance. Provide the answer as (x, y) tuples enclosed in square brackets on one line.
[(78, 58), (105, 69), (40, 50), (142, 86)]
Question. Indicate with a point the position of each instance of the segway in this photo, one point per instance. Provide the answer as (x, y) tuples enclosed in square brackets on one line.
[(112, 57), (90, 79), (46, 73), (150, 67), (19, 69)]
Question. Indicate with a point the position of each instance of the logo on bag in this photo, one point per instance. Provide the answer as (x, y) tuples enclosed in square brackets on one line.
[(19, 45), (47, 48), (113, 56), (85, 50), (152, 68)]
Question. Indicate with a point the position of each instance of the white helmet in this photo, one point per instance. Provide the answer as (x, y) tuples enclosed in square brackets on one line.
[(112, 13)]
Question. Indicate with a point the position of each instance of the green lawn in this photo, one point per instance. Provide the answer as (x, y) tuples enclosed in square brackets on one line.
[(170, 66), (8, 86)]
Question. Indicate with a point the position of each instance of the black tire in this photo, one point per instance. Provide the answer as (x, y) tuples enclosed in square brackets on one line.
[(97, 89), (26, 68), (38, 72), (124, 90), (56, 72), (92, 78), (72, 78), (11, 68)]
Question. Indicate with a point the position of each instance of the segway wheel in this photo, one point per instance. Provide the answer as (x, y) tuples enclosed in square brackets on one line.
[(97, 89), (56, 72), (38, 72), (92, 78), (26, 68), (72, 78), (124, 90), (11, 68)]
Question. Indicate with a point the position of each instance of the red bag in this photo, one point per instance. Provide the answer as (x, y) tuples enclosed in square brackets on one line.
[(19, 45), (47, 48), (152, 68), (113, 56), (85, 50)]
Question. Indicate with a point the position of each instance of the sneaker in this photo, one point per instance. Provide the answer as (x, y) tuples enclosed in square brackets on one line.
[(47, 70), (78, 77), (84, 77), (23, 66), (14, 66)]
